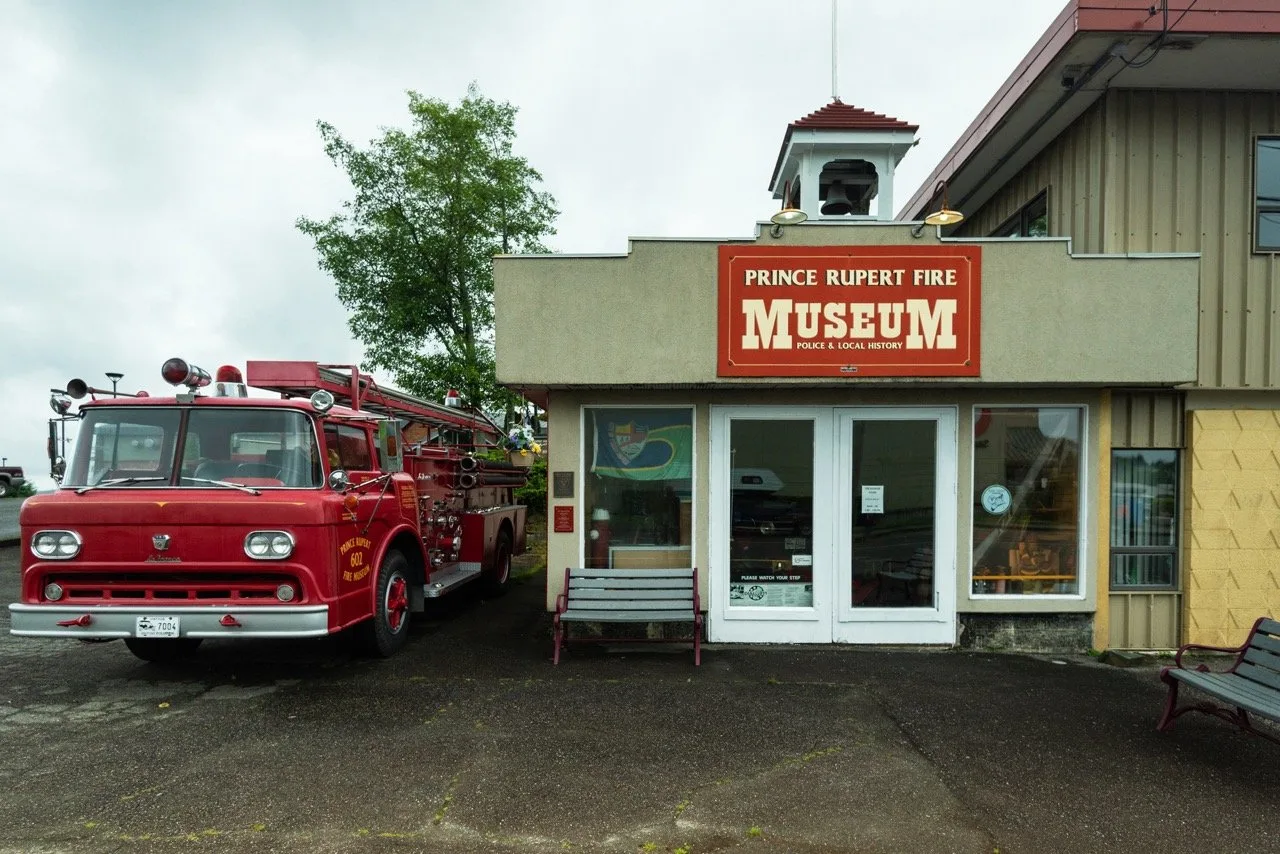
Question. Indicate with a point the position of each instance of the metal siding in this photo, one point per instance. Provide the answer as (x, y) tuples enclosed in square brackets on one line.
[(1142, 419), (1145, 620), (1169, 171), (1189, 186), (1072, 169)]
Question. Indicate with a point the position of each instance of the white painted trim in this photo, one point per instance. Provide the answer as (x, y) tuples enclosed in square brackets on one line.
[(935, 624), (1084, 554), (580, 497)]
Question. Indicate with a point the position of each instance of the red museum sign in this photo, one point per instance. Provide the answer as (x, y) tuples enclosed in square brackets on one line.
[(849, 311)]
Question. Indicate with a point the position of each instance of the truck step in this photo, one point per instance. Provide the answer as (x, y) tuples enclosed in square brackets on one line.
[(444, 580)]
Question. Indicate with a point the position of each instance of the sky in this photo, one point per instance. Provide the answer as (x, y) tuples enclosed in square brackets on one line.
[(155, 155)]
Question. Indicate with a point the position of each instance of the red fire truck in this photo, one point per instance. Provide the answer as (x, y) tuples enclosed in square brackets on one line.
[(334, 505)]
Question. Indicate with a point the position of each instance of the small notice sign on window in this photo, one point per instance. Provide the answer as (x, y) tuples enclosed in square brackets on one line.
[(873, 498)]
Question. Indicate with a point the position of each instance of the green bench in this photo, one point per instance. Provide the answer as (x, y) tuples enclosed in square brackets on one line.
[(628, 596), (1250, 686)]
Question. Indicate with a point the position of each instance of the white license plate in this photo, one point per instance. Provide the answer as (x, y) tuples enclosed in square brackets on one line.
[(157, 627)]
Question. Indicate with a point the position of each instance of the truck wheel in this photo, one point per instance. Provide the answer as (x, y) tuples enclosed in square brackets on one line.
[(388, 631), (4, 488), (162, 650), (497, 579)]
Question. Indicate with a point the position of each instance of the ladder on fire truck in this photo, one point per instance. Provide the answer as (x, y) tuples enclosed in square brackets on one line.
[(359, 392)]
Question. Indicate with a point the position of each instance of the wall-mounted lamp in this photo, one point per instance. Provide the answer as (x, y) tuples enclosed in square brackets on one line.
[(943, 215), (788, 215)]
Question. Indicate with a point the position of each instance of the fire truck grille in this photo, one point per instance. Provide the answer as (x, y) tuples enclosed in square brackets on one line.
[(141, 587)]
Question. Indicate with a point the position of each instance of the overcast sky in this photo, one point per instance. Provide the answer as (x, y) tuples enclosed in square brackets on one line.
[(154, 155)]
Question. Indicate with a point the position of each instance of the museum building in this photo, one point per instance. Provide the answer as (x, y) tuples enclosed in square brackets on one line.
[(1036, 409)]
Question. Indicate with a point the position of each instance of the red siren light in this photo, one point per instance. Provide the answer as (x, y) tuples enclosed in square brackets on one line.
[(179, 372), (228, 374), (142, 394), (452, 399)]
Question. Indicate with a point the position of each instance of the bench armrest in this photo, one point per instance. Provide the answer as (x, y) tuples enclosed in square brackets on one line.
[(1177, 658)]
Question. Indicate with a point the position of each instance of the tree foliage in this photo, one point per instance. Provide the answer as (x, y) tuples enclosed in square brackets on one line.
[(412, 251)]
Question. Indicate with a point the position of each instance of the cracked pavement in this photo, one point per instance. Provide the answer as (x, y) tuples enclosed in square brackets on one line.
[(471, 741)]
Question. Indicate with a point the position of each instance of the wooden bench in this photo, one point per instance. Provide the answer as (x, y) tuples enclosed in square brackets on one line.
[(1250, 686), (628, 596)]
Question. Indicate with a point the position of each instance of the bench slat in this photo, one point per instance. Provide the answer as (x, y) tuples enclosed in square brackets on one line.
[(1261, 641), (1271, 627), (630, 583), (628, 604), (1262, 675), (636, 616), (1234, 691), (633, 595), (629, 573)]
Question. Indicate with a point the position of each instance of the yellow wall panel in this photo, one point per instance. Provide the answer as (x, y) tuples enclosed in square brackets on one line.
[(1234, 515)]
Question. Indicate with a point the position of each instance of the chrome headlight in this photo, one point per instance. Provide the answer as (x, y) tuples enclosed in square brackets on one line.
[(56, 545), (269, 545)]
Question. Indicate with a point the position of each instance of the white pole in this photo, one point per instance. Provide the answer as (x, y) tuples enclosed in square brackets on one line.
[(835, 88)]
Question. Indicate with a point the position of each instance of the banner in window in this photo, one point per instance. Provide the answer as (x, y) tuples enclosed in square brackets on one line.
[(643, 444)]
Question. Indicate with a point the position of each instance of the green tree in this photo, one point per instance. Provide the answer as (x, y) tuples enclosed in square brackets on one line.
[(412, 252)]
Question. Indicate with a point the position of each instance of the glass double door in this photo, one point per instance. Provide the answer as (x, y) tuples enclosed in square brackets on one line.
[(833, 524)]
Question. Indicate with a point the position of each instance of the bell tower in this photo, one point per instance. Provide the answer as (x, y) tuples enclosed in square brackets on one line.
[(837, 164)]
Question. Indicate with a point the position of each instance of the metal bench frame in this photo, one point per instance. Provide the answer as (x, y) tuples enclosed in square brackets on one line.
[(628, 596), (1250, 685)]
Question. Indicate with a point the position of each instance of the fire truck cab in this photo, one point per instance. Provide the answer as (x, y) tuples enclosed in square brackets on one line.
[(225, 515)]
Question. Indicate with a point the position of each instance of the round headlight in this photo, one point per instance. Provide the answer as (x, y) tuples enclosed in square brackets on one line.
[(257, 545), (281, 545), (285, 593), (53, 591)]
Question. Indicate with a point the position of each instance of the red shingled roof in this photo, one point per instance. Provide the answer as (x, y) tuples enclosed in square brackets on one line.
[(839, 116)]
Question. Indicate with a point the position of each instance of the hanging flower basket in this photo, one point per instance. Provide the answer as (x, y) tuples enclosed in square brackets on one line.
[(521, 447)]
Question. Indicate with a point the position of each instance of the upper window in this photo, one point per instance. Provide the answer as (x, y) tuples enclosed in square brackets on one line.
[(1266, 183), (1031, 220)]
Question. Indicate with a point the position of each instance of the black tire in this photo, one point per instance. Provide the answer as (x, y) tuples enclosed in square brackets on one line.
[(163, 650), (4, 488), (498, 578), (388, 630)]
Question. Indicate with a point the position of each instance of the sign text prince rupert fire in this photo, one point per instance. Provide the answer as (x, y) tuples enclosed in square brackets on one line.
[(861, 311)]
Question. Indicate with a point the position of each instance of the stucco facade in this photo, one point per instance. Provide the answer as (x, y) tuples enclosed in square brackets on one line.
[(1118, 207)]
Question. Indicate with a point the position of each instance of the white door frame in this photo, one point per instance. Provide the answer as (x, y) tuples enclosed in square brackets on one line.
[(832, 618), (738, 624), (928, 625)]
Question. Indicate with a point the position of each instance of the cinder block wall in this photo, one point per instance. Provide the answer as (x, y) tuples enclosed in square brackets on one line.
[(1233, 524)]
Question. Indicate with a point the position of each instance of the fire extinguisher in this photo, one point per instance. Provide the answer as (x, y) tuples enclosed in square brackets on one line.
[(599, 538)]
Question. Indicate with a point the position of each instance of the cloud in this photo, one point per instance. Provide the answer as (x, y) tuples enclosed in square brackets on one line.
[(155, 155)]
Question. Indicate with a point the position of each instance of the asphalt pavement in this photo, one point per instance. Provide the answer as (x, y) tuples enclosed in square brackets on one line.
[(9, 508), (470, 740)]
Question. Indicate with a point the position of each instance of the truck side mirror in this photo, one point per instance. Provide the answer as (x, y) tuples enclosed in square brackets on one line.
[(338, 481)]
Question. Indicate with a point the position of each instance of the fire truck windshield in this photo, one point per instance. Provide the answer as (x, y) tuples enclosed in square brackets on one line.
[(127, 447)]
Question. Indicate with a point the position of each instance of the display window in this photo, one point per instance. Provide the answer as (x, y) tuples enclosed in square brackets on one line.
[(638, 487), (1026, 509)]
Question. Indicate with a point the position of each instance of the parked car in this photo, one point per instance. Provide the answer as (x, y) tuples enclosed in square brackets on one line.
[(11, 478)]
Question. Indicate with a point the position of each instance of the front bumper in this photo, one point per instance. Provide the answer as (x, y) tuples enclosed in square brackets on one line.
[(204, 621)]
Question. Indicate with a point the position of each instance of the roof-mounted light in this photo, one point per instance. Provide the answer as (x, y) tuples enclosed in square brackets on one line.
[(322, 401), (178, 372), (229, 382)]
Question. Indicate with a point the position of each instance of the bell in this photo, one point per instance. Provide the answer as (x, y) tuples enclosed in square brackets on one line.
[(837, 203)]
